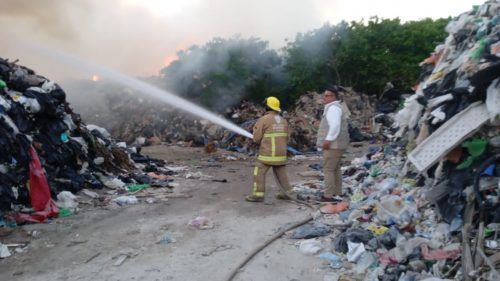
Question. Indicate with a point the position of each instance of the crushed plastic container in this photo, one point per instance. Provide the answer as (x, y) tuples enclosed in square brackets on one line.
[(394, 209), (126, 200)]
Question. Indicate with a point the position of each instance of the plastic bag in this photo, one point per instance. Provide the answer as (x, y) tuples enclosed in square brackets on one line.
[(4, 251), (137, 187), (356, 250), (409, 115), (39, 187), (126, 200), (393, 209), (493, 98), (387, 185), (311, 231), (202, 223), (41, 200), (366, 260), (389, 239), (335, 261), (113, 183), (356, 235), (441, 233), (66, 199), (310, 247)]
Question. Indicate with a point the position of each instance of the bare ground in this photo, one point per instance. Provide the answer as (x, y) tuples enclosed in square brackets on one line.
[(87, 245)]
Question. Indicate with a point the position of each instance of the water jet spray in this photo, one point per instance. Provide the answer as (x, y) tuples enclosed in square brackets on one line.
[(137, 85)]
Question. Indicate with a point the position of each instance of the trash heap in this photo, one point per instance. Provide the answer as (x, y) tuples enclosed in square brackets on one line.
[(385, 230), (153, 123), (306, 115), (150, 122), (427, 206), (47, 151)]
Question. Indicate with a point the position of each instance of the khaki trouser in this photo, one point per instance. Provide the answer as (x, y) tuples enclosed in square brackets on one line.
[(259, 182), (331, 170)]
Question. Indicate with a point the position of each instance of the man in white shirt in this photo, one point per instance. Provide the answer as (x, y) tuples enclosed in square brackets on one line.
[(333, 139)]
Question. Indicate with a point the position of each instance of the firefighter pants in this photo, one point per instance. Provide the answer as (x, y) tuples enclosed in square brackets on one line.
[(331, 170), (259, 182)]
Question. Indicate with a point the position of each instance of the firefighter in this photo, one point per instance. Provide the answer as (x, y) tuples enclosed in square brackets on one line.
[(271, 133)]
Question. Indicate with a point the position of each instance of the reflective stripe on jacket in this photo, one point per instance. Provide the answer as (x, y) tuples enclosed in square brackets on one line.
[(271, 132)]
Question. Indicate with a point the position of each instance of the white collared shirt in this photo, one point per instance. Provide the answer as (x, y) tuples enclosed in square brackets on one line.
[(334, 118)]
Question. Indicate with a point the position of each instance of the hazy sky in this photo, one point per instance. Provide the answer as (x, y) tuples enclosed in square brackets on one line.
[(139, 37)]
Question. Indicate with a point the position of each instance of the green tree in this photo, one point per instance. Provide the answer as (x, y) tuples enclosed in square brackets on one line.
[(310, 60), (386, 50), (363, 55), (225, 71)]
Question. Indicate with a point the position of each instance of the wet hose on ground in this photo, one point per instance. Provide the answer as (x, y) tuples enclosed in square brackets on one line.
[(274, 237), (264, 245)]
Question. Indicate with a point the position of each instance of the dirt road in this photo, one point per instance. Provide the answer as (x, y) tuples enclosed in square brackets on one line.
[(87, 245)]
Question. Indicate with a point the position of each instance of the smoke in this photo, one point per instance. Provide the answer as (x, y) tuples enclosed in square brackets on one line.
[(47, 17), (139, 37), (222, 72), (123, 37)]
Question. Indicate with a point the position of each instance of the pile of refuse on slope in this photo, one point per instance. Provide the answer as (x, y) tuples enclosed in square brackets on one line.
[(428, 206), (46, 152), (305, 116), (152, 123)]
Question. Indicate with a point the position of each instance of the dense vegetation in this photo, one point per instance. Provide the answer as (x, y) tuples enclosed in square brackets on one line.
[(362, 55)]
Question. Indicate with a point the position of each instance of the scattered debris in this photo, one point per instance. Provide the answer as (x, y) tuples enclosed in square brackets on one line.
[(201, 223), (167, 239), (310, 247), (126, 200), (219, 248), (93, 257), (4, 251), (66, 199), (48, 150), (422, 222), (311, 231), (334, 208), (124, 255)]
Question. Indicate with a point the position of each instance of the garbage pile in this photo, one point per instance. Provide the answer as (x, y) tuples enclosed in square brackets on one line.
[(386, 228), (306, 115), (46, 151), (152, 123), (438, 217)]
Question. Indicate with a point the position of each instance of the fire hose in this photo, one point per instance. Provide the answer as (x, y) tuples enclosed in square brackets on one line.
[(275, 236)]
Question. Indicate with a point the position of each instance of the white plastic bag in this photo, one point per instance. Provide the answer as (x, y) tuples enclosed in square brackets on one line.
[(126, 200), (493, 98), (66, 199), (310, 247), (356, 250)]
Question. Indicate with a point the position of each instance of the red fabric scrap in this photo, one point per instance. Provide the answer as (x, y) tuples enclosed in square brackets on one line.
[(39, 187), (41, 201), (51, 211), (439, 254)]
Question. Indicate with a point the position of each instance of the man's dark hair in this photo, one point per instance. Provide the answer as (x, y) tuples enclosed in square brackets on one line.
[(334, 89)]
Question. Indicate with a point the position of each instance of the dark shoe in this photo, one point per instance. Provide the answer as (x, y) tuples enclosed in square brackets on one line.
[(253, 198), (339, 198), (282, 196), (329, 199)]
